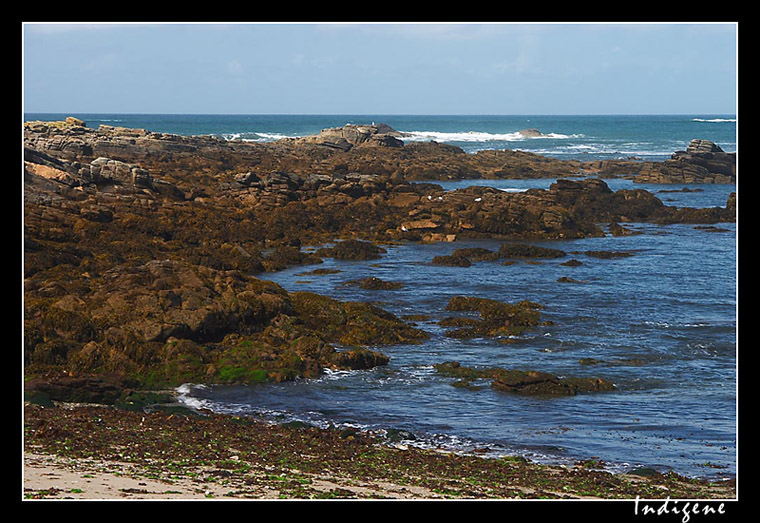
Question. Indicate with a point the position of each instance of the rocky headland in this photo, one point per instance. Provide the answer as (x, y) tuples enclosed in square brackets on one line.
[(141, 249)]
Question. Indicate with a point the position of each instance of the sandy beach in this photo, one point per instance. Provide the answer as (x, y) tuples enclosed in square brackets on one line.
[(103, 453), (54, 477)]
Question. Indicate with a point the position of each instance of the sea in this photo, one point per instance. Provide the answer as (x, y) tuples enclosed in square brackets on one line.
[(661, 324)]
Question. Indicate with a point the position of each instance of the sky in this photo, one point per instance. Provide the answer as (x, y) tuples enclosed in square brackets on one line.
[(380, 68)]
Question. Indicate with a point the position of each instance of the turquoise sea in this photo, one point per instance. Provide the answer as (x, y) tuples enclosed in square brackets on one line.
[(580, 137), (661, 324)]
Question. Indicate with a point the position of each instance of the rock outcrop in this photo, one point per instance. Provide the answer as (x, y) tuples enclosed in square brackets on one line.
[(141, 248), (349, 136), (530, 133), (169, 321), (702, 162)]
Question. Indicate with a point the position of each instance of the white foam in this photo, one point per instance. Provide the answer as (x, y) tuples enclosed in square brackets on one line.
[(271, 136), (477, 136), (184, 395), (715, 120), (334, 374), (623, 149), (254, 136)]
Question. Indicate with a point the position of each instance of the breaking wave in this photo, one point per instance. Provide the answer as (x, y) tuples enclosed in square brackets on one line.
[(253, 136), (715, 120), (478, 136)]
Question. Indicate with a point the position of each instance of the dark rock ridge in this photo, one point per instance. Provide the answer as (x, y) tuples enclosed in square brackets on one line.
[(141, 248)]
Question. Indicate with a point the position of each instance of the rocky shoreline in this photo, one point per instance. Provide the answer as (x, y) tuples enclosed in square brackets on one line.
[(141, 252), (99, 452)]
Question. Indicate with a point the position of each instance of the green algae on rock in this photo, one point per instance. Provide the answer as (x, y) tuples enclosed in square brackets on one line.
[(170, 322), (353, 323), (496, 318)]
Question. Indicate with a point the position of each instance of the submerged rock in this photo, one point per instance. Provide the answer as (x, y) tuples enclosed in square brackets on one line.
[(451, 261), (476, 254), (516, 250), (531, 382), (352, 250), (373, 283), (608, 255), (358, 359), (496, 318)]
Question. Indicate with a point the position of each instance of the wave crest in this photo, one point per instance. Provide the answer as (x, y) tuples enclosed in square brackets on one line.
[(478, 136), (714, 120)]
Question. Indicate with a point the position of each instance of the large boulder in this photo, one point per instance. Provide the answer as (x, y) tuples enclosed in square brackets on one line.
[(350, 135), (105, 170)]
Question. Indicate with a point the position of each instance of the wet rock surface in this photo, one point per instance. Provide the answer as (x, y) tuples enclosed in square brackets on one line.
[(141, 249), (527, 382)]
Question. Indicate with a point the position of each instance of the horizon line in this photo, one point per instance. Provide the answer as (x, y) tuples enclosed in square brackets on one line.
[(378, 114)]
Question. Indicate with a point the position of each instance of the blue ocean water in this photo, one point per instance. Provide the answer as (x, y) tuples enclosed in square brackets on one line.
[(662, 323), (568, 137)]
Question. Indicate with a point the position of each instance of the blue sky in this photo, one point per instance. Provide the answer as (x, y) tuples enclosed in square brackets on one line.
[(368, 68)]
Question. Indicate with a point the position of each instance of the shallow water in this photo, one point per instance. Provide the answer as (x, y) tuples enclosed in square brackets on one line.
[(663, 322)]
